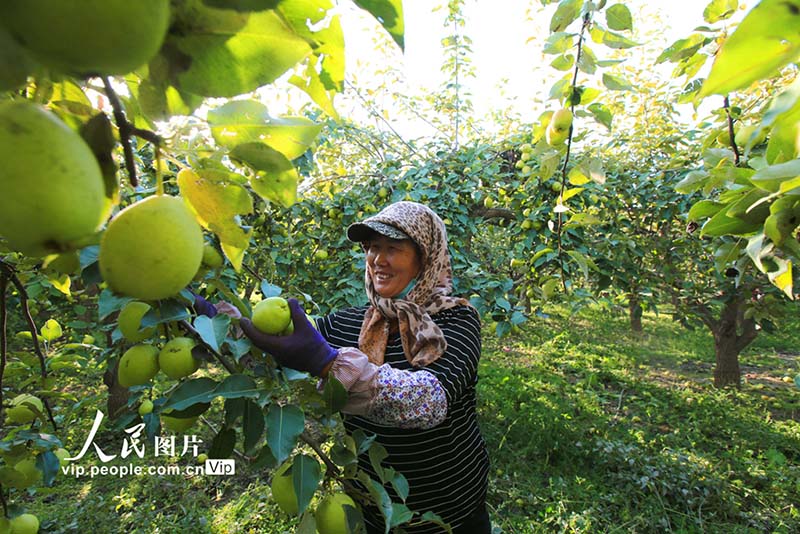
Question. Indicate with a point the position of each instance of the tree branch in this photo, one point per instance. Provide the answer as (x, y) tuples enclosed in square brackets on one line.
[(217, 355), (126, 130), (10, 274), (736, 156)]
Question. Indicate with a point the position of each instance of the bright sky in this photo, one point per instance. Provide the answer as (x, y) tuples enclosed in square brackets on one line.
[(508, 67)]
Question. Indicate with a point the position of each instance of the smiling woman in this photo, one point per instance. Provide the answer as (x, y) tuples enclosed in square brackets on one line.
[(409, 363), (393, 259)]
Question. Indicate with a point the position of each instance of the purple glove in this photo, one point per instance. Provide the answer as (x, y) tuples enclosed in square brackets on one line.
[(203, 307), (305, 349)]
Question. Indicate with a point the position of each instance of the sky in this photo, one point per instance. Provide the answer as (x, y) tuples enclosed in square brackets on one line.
[(507, 36)]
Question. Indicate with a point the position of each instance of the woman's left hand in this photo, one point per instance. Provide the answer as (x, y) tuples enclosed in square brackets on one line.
[(305, 349)]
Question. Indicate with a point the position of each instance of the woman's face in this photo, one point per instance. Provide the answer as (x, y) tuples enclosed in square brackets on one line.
[(392, 264)]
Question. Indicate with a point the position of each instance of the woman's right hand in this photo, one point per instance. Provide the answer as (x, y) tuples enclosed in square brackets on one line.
[(304, 350)]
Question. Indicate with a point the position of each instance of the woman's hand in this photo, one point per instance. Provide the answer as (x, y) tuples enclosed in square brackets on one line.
[(305, 349), (204, 307)]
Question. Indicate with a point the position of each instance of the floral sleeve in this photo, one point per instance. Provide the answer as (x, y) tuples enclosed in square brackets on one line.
[(389, 396)]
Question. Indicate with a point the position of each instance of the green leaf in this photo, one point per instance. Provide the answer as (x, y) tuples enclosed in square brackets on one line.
[(204, 390), (400, 514), (109, 303), (246, 121), (577, 177), (379, 496), (683, 48), (689, 92), (284, 425), (234, 409), (718, 10), (324, 71), (588, 61), (784, 117), (560, 89), (566, 13), (225, 53), (616, 83), (335, 395), (618, 17), (218, 201), (311, 82), (767, 39), (563, 62), (276, 178), (270, 290), (782, 277), (756, 250), (435, 519), (51, 330), (601, 114), (252, 425), (704, 209), (237, 386), (558, 43), (223, 443), (617, 41), (191, 392), (692, 182), (243, 5), (306, 476), (721, 224), (48, 463), (213, 330), (264, 460), (389, 13), (770, 178), (589, 95), (377, 454), (400, 485)]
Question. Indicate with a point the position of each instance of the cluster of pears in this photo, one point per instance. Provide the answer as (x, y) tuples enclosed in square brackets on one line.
[(141, 362), (331, 513), (52, 194), (557, 125), (53, 200)]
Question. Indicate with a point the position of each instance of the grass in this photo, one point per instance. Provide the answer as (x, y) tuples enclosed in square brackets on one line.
[(590, 428), (599, 430)]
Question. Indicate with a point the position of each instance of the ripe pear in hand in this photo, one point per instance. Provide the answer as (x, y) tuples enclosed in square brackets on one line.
[(272, 315)]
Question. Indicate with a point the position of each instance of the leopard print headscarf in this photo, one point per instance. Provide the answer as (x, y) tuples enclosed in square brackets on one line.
[(423, 341)]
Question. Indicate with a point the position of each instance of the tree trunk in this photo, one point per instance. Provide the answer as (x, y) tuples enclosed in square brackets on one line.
[(732, 333), (635, 313), (727, 369), (117, 395)]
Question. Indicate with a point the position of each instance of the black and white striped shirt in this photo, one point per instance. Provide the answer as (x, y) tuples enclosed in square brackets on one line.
[(446, 466)]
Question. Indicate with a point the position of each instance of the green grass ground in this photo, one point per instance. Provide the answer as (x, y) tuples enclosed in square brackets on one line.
[(590, 429)]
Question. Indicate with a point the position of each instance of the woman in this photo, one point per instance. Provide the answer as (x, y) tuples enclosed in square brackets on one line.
[(409, 362)]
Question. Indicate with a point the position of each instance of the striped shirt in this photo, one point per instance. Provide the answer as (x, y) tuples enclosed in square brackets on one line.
[(447, 465)]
